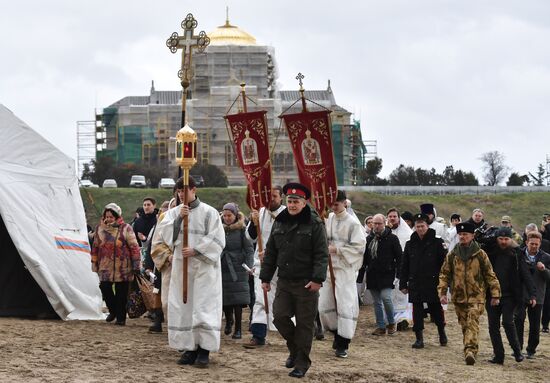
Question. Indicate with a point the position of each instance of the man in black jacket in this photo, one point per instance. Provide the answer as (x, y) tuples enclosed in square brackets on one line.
[(512, 274), (381, 262), (298, 247), (538, 264), (422, 260)]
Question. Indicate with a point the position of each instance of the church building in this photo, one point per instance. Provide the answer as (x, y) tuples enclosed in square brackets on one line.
[(141, 129)]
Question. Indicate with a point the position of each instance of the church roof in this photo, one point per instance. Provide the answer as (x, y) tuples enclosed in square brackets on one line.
[(173, 97), (228, 34)]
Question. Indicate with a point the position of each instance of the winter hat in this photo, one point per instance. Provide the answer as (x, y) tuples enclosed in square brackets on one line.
[(504, 232), (427, 208), (114, 208), (232, 207), (465, 227)]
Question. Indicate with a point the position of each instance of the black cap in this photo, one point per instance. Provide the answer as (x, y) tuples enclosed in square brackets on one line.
[(465, 227), (421, 217), (455, 216), (341, 196), (407, 216), (296, 190), (427, 208), (504, 232)]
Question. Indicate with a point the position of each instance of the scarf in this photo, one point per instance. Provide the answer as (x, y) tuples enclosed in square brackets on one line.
[(465, 252)]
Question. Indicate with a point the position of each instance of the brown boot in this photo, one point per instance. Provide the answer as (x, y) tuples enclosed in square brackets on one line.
[(392, 329), (379, 331)]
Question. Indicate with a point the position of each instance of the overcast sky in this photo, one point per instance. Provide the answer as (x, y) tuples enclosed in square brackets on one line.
[(435, 82)]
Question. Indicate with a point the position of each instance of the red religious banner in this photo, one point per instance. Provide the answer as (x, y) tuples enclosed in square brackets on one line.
[(249, 133), (310, 137)]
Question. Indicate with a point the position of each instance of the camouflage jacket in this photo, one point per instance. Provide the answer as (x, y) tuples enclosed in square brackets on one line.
[(468, 280)]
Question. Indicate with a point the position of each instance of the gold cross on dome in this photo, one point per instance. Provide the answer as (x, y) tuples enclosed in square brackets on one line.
[(187, 42)]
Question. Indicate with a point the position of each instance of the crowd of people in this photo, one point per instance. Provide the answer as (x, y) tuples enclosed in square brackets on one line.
[(304, 274)]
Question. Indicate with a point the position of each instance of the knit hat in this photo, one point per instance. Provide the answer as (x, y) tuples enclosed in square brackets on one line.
[(504, 232), (232, 207), (114, 208)]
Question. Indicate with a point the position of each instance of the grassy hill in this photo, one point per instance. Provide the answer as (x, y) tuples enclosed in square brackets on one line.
[(522, 207)]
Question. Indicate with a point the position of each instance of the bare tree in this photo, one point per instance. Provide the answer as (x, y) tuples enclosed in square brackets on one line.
[(494, 168)]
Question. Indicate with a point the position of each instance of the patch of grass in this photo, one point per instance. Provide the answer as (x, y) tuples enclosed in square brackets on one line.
[(522, 207)]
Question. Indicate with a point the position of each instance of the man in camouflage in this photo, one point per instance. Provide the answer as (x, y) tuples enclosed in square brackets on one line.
[(467, 271)]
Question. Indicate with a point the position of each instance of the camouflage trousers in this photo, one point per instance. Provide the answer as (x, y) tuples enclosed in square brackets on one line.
[(468, 316)]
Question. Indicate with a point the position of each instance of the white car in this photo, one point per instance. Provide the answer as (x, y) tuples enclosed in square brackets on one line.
[(138, 182), (87, 184), (166, 183), (109, 183)]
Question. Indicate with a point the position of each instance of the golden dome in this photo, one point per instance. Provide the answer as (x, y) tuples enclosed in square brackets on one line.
[(230, 35)]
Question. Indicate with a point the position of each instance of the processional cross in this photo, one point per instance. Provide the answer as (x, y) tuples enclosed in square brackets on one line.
[(187, 42), (186, 138)]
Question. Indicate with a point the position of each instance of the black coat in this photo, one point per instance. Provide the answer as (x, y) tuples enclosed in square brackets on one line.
[(420, 267), (144, 224), (540, 278), (237, 250), (382, 267), (511, 272)]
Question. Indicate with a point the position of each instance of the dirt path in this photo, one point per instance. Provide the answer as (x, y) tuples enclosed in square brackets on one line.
[(55, 351)]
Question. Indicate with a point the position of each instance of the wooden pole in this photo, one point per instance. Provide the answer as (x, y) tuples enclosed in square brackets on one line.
[(185, 235)]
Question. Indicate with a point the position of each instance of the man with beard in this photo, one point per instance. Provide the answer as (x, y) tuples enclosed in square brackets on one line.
[(422, 259), (381, 262), (298, 250), (467, 271), (401, 306), (346, 239), (512, 275), (440, 228), (266, 218)]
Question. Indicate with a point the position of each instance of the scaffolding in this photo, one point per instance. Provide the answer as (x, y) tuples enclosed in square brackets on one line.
[(85, 143)]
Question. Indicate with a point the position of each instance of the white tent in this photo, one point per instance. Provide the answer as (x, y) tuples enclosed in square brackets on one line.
[(41, 212)]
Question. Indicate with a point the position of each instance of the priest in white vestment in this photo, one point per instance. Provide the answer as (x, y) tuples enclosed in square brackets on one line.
[(346, 238), (195, 326), (266, 217)]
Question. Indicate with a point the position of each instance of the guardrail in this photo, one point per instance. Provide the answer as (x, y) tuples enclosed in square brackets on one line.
[(445, 190)]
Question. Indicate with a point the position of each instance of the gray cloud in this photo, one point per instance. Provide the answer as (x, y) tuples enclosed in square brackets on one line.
[(435, 82)]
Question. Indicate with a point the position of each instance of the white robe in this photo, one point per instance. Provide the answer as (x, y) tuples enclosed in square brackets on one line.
[(403, 232), (440, 231), (347, 234), (198, 322), (452, 236), (258, 312), (402, 309)]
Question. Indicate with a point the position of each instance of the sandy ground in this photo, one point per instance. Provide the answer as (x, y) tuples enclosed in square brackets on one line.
[(86, 351)]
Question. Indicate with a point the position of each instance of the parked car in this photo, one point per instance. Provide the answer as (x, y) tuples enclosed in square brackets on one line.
[(109, 183), (87, 184), (138, 181), (199, 180), (166, 183)]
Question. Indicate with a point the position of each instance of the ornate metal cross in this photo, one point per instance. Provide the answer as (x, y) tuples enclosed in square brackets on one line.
[(300, 77), (186, 43)]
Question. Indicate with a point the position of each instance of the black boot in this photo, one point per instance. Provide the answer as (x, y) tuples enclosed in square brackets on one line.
[(203, 357), (318, 328), (419, 343), (442, 336), (156, 327), (228, 310)]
